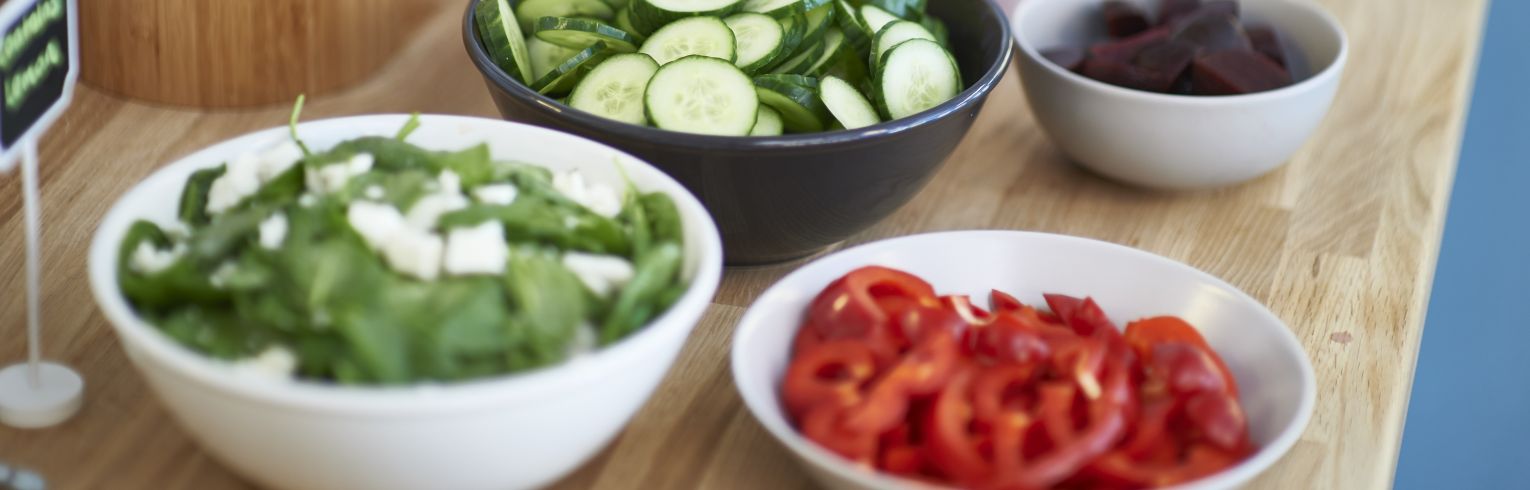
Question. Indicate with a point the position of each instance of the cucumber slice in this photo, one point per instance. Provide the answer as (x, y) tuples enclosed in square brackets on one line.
[(819, 22), (615, 88), (833, 42), (801, 110), (802, 61), (893, 34), (813, 4), (638, 23), (624, 22), (849, 23), (875, 18), (700, 94), (560, 80), (904, 9), (795, 28), (545, 56), (705, 36), (852, 68), (778, 78), (657, 13), (582, 33), (779, 9), (758, 40), (847, 104), (617, 5), (528, 11), (938, 28), (767, 123), (502, 37), (915, 76)]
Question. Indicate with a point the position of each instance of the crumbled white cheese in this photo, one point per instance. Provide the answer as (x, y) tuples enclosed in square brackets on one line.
[(601, 273), (428, 210), (415, 253), (177, 231), (221, 276), (273, 231), (598, 198), (333, 177), (278, 159), (307, 200), (501, 194), (276, 362), (374, 192), (376, 223), (147, 259), (477, 250), (451, 183), (240, 180), (570, 222)]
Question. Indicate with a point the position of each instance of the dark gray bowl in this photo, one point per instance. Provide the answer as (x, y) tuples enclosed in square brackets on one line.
[(786, 197)]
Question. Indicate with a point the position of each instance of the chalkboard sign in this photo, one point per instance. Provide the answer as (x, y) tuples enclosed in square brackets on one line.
[(39, 62)]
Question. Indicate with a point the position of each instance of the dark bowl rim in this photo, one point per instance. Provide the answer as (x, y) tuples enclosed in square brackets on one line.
[(551, 107)]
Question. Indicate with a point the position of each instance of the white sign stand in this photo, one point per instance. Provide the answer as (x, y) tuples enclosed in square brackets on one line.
[(39, 61)]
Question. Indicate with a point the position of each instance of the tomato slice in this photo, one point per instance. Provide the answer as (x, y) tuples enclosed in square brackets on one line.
[(828, 373), (824, 425), (1144, 334), (923, 371), (1002, 302), (848, 307)]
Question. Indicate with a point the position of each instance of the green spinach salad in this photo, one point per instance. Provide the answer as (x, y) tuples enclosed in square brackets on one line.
[(378, 262), (726, 67)]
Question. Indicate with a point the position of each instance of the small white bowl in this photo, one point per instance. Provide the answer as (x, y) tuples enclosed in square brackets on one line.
[(517, 431), (1274, 376), (1170, 141)]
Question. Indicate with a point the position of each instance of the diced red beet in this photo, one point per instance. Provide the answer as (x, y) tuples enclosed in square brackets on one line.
[(1168, 10), (1269, 42), (1124, 19), (1236, 72), (1124, 50), (1069, 57), (1115, 73), (1212, 31), (1184, 85), (1229, 7), (1160, 64)]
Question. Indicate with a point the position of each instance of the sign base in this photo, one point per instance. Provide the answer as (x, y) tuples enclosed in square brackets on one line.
[(56, 396)]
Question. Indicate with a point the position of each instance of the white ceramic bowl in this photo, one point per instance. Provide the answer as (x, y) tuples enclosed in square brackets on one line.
[(515, 431), (1274, 376), (1175, 141)]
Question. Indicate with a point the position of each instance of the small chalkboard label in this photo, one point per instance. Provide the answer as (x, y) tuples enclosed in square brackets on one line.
[(39, 62)]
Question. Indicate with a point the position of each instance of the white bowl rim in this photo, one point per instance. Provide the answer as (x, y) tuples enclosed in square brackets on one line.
[(824, 459), (1311, 83), (408, 400)]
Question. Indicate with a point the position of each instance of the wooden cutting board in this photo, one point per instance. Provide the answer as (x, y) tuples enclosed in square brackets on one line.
[(1341, 243)]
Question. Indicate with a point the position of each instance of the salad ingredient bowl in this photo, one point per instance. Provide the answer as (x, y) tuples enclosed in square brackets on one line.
[(1277, 386), (780, 198), (1176, 141), (516, 431)]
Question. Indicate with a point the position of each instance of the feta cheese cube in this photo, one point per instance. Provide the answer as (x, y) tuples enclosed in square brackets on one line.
[(273, 231), (451, 183), (278, 159), (376, 223), (415, 253), (333, 177), (147, 259), (360, 163), (500, 194), (428, 210), (477, 250), (276, 362), (374, 192), (222, 274), (240, 180), (601, 273), (599, 198)]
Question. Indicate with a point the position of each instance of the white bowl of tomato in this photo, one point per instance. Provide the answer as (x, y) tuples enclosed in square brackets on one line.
[(1001, 359)]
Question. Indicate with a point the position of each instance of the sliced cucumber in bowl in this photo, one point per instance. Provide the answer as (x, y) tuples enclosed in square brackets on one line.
[(566, 75), (660, 12), (801, 109), (703, 95), (915, 76), (529, 11), (767, 123), (758, 40), (502, 38), (545, 56), (847, 104), (703, 36), (893, 34), (583, 33), (615, 88)]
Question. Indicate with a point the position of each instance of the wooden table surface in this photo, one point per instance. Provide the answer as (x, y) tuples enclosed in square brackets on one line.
[(1340, 243)]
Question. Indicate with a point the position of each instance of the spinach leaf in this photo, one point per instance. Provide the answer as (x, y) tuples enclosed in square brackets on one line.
[(181, 283), (531, 219), (193, 209), (548, 305), (663, 217), (656, 271)]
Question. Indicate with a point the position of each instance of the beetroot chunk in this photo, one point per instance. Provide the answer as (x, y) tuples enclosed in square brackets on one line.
[(1269, 42), (1069, 57), (1161, 64), (1212, 31), (1236, 72), (1124, 19), (1115, 73), (1168, 10), (1123, 51)]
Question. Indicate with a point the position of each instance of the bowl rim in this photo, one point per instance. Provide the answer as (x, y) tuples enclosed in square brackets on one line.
[(969, 97), (823, 459), (406, 400), (1314, 82)]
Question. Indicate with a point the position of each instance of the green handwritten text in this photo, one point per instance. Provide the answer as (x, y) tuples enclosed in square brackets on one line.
[(47, 12), (22, 83)]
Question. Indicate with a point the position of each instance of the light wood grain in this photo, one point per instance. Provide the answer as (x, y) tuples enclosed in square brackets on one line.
[(1341, 243), (234, 53)]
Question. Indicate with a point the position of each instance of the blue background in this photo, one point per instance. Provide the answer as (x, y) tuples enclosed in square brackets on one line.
[(1469, 420)]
